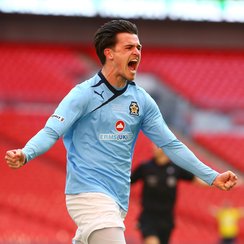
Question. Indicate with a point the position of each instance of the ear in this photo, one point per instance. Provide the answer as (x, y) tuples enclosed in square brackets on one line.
[(108, 53)]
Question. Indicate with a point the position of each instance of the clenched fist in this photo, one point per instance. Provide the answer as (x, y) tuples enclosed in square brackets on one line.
[(225, 181), (15, 158)]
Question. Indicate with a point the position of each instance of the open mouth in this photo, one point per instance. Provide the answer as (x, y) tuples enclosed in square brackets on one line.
[(133, 65)]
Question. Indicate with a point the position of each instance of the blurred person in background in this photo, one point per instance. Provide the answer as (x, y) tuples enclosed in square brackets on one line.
[(99, 121), (160, 177), (228, 220)]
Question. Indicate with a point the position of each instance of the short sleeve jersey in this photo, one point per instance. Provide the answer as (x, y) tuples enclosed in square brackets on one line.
[(99, 125)]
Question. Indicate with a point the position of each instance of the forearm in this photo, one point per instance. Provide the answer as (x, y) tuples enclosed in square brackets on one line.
[(183, 157), (40, 143)]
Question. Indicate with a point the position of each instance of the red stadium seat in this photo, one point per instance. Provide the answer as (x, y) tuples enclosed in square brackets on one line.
[(207, 78), (32, 198), (39, 73), (227, 146)]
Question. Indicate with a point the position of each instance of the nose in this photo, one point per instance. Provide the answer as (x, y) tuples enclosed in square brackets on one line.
[(136, 51)]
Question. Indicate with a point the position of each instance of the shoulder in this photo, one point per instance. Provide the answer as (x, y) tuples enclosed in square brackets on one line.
[(84, 89), (89, 83), (148, 164), (142, 95), (138, 89), (80, 95)]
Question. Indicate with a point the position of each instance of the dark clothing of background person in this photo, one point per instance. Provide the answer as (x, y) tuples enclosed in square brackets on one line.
[(159, 194)]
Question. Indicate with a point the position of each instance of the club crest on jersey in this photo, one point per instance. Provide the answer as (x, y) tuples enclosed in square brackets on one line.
[(134, 108), (120, 125)]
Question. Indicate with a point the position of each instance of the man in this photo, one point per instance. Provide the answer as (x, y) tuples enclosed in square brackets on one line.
[(160, 178), (228, 217), (99, 121)]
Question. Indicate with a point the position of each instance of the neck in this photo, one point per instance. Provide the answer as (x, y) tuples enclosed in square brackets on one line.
[(161, 160), (115, 81)]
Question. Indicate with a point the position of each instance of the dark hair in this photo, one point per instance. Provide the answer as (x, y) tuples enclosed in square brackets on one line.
[(105, 36)]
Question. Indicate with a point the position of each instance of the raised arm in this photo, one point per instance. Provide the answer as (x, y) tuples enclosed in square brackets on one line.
[(36, 146)]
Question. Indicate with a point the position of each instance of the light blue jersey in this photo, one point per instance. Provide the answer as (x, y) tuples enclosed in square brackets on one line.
[(99, 126)]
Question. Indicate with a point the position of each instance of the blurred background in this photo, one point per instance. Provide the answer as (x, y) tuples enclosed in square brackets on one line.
[(193, 66)]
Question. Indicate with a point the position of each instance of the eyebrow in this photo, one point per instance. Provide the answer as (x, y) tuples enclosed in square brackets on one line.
[(137, 45)]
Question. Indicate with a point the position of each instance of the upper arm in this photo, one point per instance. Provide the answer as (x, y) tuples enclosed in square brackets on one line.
[(70, 109), (153, 124)]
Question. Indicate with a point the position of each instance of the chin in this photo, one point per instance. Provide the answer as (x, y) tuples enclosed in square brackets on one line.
[(132, 77)]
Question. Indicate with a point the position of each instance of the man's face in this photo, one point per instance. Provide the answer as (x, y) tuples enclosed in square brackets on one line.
[(126, 56)]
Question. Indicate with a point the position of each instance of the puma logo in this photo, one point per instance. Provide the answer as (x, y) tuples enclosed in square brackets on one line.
[(100, 94)]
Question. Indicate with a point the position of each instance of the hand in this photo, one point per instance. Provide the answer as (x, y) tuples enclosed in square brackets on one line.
[(15, 158), (225, 181)]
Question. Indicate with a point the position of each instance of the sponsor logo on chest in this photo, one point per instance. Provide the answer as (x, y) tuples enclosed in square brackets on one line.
[(120, 136), (120, 125)]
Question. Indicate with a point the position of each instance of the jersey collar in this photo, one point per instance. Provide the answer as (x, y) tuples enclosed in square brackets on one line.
[(110, 87)]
